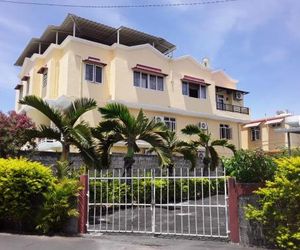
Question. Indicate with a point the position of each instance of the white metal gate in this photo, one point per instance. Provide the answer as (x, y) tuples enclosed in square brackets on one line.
[(156, 201)]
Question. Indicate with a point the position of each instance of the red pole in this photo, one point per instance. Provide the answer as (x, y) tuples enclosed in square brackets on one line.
[(233, 211), (82, 205)]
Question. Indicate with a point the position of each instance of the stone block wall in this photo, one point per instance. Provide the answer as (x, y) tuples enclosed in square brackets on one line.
[(141, 161)]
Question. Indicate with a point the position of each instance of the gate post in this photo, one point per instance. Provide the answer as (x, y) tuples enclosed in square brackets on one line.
[(83, 204), (233, 211)]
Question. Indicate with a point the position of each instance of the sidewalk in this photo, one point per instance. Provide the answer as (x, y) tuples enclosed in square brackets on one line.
[(109, 242)]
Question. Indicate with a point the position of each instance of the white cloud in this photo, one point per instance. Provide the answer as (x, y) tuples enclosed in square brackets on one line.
[(13, 25), (275, 55)]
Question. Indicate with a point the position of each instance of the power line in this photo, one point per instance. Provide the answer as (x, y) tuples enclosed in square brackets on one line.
[(115, 6)]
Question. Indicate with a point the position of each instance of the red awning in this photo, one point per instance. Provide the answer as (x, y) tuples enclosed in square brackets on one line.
[(42, 70), (25, 78), (94, 60), (195, 80), (19, 86), (147, 69)]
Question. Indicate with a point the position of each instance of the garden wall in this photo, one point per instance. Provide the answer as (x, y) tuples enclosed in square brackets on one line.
[(145, 161)]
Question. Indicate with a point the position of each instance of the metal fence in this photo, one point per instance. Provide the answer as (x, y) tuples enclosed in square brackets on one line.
[(157, 201)]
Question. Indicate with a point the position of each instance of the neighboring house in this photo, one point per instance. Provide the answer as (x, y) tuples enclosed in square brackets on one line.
[(82, 58), (272, 134)]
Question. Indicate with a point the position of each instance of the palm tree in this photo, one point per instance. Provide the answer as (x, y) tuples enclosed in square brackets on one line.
[(103, 143), (129, 129), (67, 130), (175, 147), (204, 140)]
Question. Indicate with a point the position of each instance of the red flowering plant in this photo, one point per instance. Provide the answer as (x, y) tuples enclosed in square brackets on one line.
[(13, 134)]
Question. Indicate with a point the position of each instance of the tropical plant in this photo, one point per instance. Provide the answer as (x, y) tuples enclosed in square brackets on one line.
[(250, 166), (130, 129), (204, 140), (178, 147), (278, 207), (68, 129), (59, 206), (12, 133)]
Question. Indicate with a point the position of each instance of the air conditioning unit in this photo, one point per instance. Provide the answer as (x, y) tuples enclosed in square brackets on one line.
[(159, 119), (238, 96), (203, 125)]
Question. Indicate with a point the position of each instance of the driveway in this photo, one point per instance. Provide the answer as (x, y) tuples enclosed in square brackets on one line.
[(110, 242)]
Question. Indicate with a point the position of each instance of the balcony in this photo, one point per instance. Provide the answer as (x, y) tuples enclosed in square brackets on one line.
[(232, 108)]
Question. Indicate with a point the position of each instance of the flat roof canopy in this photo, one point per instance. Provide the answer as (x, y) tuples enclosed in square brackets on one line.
[(295, 130), (92, 31), (233, 90)]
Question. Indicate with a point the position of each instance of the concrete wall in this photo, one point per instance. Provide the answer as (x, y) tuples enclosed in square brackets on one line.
[(141, 161)]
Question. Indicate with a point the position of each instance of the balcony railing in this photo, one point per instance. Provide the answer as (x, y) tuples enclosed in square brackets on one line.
[(232, 108)]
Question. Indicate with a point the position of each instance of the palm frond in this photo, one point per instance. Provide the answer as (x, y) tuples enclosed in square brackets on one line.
[(191, 130), (78, 108), (42, 106), (44, 131), (117, 111)]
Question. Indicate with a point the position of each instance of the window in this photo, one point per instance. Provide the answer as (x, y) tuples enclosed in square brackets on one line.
[(148, 81), (93, 73), (225, 132), (170, 123), (194, 90), (255, 133), (45, 78)]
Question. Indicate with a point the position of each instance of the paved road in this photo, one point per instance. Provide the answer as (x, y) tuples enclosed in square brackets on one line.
[(189, 217), (110, 242)]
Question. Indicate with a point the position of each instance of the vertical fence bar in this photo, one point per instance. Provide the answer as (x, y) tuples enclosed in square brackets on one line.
[(168, 200), (181, 211), (160, 215), (226, 202), (138, 197), (217, 197), (209, 200), (145, 203), (174, 198), (202, 202), (131, 182), (94, 202), (119, 181), (125, 182), (113, 199), (107, 200), (101, 197), (195, 198), (153, 199), (188, 199)]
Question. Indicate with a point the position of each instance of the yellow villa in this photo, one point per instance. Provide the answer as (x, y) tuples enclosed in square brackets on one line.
[(82, 58)]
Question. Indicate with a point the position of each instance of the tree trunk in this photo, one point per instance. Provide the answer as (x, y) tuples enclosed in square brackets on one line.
[(206, 162), (128, 161), (65, 152)]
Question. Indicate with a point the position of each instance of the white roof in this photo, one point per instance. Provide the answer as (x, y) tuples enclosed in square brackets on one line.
[(251, 125), (274, 121)]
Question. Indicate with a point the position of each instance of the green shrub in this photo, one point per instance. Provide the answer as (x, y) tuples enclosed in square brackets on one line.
[(23, 185), (139, 191), (279, 205), (250, 166), (60, 205)]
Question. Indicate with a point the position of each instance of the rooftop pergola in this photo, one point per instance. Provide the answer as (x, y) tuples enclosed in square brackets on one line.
[(83, 28)]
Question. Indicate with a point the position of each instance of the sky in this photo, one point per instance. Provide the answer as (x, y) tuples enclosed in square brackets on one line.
[(255, 41)]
